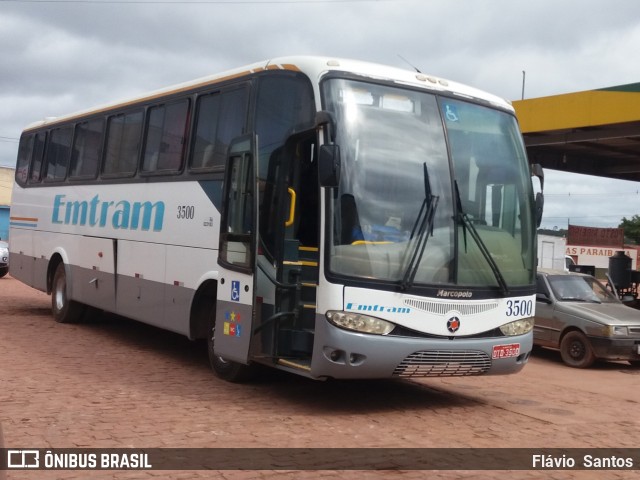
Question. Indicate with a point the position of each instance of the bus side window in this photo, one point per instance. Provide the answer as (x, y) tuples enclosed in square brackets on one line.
[(221, 117), (238, 218), (166, 137), (87, 148), (123, 144), (204, 142), (284, 105), (38, 154), (58, 153), (25, 152)]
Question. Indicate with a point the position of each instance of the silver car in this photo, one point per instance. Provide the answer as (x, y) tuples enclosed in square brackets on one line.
[(4, 258), (576, 314)]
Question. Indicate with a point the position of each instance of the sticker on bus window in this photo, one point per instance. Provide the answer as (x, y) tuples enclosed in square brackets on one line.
[(451, 113)]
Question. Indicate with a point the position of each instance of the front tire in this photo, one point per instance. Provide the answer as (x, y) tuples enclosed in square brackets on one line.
[(64, 310), (3, 271), (225, 369), (576, 350)]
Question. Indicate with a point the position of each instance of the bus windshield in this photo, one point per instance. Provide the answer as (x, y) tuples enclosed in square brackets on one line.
[(402, 150)]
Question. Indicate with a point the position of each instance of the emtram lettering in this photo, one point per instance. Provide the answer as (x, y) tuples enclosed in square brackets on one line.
[(122, 215), (376, 308)]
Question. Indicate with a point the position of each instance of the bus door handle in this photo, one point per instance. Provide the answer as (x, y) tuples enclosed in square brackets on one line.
[(292, 207)]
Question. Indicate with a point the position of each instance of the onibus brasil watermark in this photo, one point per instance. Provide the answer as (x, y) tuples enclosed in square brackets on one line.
[(252, 458), (33, 458)]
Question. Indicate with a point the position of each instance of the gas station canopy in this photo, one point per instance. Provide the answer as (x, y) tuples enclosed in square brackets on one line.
[(595, 132)]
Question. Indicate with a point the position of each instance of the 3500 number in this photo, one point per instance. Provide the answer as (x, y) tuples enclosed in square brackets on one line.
[(517, 308), (186, 212)]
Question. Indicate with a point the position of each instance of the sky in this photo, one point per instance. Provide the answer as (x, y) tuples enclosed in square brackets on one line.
[(61, 56)]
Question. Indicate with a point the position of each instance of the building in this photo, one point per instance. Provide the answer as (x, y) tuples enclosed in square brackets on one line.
[(6, 186), (551, 252)]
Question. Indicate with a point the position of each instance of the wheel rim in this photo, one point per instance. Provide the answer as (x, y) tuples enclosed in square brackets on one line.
[(577, 350), (59, 293)]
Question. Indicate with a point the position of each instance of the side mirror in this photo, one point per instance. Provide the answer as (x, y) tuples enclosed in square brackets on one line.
[(539, 206), (329, 165), (537, 171), (542, 297)]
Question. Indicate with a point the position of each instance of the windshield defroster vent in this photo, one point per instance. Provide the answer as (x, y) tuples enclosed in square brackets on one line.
[(438, 308)]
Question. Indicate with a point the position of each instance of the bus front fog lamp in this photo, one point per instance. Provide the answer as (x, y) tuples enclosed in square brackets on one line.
[(360, 323), (518, 327)]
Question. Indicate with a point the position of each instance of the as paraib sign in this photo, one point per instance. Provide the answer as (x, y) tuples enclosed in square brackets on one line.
[(598, 256)]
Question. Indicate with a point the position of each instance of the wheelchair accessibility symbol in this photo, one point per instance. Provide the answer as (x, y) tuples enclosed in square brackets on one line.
[(451, 112), (235, 291)]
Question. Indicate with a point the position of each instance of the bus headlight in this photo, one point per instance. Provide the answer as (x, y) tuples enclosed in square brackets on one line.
[(360, 323), (519, 327)]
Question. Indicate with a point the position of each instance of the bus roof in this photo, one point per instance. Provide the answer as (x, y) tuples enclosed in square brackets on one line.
[(314, 67)]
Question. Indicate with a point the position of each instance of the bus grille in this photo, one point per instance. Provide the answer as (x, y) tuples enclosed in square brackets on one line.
[(444, 363)]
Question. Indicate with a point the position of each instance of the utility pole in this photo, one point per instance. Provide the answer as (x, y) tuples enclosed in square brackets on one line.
[(523, 78)]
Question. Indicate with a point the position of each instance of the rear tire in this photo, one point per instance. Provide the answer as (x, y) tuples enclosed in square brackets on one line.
[(576, 350), (64, 310), (225, 369)]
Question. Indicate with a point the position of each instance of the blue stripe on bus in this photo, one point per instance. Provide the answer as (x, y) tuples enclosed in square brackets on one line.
[(21, 224)]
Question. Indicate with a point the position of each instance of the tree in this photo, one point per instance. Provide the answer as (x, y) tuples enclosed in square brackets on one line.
[(631, 228)]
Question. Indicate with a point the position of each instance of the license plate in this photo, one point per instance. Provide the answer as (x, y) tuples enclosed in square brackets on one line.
[(506, 351)]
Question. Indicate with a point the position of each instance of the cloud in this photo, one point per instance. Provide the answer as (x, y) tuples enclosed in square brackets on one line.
[(59, 58), (588, 200)]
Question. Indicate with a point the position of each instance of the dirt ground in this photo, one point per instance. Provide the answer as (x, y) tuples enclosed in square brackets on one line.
[(112, 383)]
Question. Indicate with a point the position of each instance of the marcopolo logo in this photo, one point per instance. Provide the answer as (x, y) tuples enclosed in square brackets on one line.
[(455, 293), (121, 215)]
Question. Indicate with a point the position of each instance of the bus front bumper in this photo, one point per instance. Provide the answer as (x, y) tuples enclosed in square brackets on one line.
[(345, 354)]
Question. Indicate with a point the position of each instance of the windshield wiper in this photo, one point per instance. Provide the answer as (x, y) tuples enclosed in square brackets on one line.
[(466, 223), (422, 228)]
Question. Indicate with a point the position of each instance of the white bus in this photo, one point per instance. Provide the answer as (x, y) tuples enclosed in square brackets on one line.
[(331, 218)]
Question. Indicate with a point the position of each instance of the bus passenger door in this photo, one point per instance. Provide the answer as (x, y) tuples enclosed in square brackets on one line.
[(236, 256), (287, 254)]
